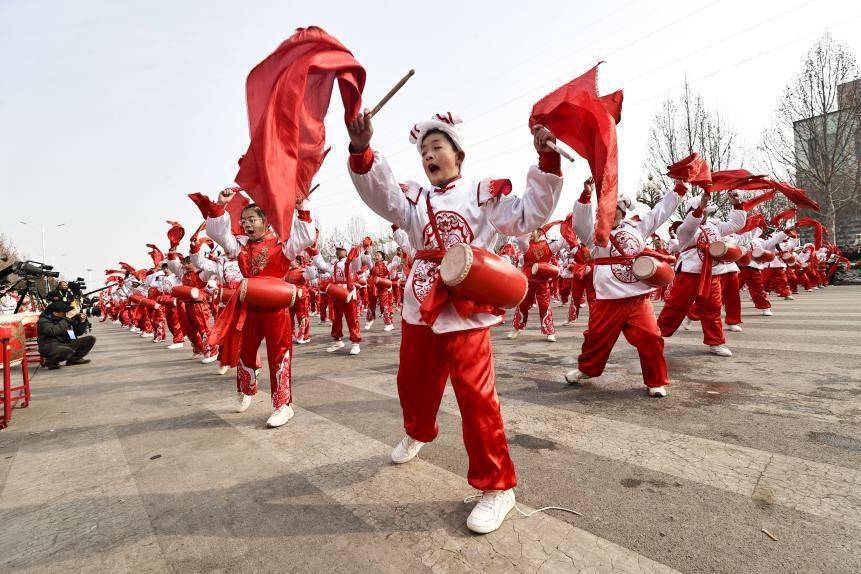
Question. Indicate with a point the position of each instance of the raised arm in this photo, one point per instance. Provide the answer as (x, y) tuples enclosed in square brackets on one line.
[(583, 219), (303, 233), (219, 230), (656, 216), (373, 178), (322, 265)]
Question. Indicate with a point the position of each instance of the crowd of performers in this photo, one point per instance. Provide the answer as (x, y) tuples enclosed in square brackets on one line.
[(205, 296)]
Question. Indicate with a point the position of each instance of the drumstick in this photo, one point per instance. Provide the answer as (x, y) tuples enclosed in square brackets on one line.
[(391, 93), (310, 191), (560, 151)]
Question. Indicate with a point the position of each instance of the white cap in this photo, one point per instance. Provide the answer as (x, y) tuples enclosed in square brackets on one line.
[(445, 122)]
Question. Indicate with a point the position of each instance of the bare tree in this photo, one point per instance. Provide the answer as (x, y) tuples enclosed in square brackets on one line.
[(685, 125), (9, 252), (815, 138)]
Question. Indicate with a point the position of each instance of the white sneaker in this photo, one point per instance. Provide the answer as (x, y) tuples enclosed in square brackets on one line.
[(574, 376), (566, 323), (513, 334), (243, 402), (369, 325), (302, 341), (148, 335), (174, 346), (406, 450), (551, 338), (389, 327), (222, 370), (335, 346), (659, 392), (734, 328), (280, 416), (686, 324), (583, 304), (134, 330), (789, 298), (490, 511), (767, 313), (720, 350), (209, 359), (355, 350)]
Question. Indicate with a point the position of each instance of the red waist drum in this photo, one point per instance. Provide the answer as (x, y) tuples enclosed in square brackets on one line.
[(483, 276), (652, 271)]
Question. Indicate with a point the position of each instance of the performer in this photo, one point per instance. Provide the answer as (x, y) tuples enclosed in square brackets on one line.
[(165, 284), (751, 274), (775, 276), (301, 276), (622, 304), (379, 294), (536, 249), (261, 254), (438, 342), (343, 272), (194, 315), (694, 280), (218, 272)]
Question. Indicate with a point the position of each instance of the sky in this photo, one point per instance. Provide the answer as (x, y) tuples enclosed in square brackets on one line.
[(112, 112)]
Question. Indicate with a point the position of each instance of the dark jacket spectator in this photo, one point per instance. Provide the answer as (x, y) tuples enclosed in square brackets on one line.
[(62, 338)]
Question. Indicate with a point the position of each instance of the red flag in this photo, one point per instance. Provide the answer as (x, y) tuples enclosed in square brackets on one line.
[(785, 214), (175, 234), (128, 268), (587, 123), (288, 96), (693, 169), (156, 254), (797, 196), (756, 200)]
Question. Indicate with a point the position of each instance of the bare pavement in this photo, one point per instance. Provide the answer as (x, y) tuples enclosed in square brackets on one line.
[(136, 462)]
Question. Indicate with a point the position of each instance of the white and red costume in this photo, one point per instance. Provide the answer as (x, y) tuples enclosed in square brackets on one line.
[(622, 305), (437, 342), (264, 257), (694, 279)]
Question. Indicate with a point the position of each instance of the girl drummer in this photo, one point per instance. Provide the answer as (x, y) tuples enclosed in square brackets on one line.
[(438, 342)]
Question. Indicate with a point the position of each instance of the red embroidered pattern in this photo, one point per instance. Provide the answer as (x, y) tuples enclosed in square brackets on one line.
[(283, 388), (706, 237), (631, 245), (453, 229)]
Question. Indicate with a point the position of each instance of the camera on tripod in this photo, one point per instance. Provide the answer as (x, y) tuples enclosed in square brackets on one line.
[(78, 286), (34, 269)]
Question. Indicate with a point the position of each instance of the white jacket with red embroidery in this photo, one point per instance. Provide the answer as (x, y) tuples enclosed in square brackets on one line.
[(468, 211), (618, 281), (695, 235)]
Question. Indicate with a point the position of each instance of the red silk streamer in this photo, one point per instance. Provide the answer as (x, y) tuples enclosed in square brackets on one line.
[(693, 169), (817, 229), (581, 118), (227, 331), (785, 214), (287, 97), (175, 234), (197, 231), (761, 198), (753, 221), (796, 195), (729, 179), (234, 207), (128, 268)]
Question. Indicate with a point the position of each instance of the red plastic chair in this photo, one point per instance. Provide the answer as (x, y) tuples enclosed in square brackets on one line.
[(9, 340)]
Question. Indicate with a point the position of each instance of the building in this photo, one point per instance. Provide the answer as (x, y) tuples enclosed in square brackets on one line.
[(816, 139)]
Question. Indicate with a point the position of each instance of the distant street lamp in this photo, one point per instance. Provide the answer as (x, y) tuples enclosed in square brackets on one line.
[(44, 250)]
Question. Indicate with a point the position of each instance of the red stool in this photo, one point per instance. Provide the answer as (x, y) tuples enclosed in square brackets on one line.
[(11, 337)]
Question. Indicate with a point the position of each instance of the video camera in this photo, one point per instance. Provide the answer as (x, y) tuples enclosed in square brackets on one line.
[(78, 286), (34, 268)]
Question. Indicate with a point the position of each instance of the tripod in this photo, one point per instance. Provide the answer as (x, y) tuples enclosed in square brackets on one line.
[(24, 287)]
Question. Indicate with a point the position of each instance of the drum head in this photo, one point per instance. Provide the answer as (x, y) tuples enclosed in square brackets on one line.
[(644, 267), (455, 264), (718, 249)]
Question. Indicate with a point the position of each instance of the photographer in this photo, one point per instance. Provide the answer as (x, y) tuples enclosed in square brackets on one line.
[(61, 337), (62, 293)]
